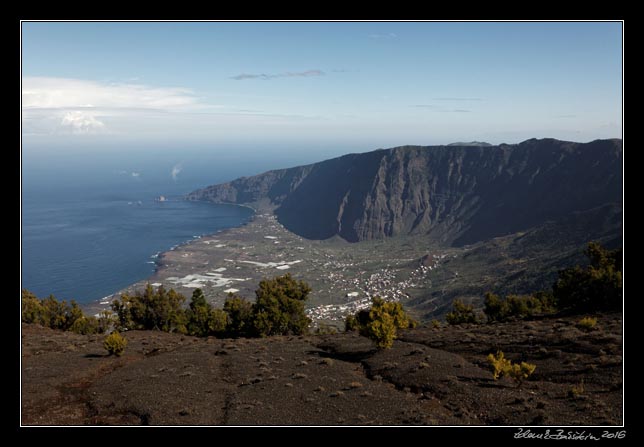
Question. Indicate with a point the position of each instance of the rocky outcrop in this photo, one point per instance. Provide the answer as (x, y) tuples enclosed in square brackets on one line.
[(455, 194)]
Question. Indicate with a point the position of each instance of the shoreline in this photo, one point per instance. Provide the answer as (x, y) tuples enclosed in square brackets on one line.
[(159, 256), (104, 303), (343, 276)]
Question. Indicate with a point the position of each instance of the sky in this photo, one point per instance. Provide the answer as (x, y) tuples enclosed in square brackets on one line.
[(326, 86)]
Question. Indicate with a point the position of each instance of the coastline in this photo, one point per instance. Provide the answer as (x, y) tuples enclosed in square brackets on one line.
[(343, 276), (98, 305)]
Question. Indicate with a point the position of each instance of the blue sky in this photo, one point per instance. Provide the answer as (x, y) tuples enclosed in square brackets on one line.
[(349, 86)]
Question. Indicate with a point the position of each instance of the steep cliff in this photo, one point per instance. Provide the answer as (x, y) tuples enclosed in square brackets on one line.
[(455, 194)]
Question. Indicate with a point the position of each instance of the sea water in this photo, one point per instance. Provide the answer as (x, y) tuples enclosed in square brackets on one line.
[(92, 226)]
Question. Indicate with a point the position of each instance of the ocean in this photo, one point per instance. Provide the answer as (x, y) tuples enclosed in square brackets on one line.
[(91, 225)]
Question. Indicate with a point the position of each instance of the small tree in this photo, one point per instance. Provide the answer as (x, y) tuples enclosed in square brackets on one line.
[(198, 315), (202, 319), (595, 287), (217, 322), (115, 344), (516, 306), (54, 314), (495, 309), (32, 309), (85, 326), (462, 313), (49, 312), (381, 329), (381, 322), (158, 310), (279, 307), (239, 316)]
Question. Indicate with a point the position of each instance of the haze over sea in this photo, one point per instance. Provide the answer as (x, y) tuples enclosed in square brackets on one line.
[(91, 225)]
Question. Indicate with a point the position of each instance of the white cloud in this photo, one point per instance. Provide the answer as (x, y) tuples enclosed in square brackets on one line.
[(56, 93), (81, 122), (77, 106)]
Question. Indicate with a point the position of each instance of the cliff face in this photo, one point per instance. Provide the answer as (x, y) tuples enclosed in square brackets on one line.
[(456, 194)]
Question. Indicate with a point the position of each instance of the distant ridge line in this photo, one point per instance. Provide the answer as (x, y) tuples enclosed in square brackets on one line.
[(457, 194)]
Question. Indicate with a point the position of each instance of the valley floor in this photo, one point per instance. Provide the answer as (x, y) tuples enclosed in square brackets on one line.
[(342, 276), (424, 274), (430, 377)]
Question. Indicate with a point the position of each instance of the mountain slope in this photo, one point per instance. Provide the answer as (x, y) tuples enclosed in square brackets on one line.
[(457, 195)]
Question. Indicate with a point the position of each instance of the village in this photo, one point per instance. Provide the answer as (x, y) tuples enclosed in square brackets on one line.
[(344, 277)]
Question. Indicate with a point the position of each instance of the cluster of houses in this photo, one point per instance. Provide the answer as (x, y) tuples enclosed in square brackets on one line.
[(382, 283)]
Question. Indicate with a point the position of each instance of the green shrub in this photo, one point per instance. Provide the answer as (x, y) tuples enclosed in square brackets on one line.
[(239, 314), (587, 323), (381, 329), (198, 315), (115, 344), (595, 287), (151, 310), (217, 322), (49, 312), (462, 313), (200, 320), (278, 310), (381, 322), (32, 310), (85, 326), (516, 306), (504, 367), (279, 307), (59, 314)]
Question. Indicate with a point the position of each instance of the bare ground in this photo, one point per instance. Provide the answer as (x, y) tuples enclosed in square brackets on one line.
[(429, 377)]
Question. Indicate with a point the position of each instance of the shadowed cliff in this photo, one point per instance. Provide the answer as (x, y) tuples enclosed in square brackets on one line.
[(457, 195)]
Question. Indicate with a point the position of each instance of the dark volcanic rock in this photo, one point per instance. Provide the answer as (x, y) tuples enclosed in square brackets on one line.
[(456, 194), (430, 376)]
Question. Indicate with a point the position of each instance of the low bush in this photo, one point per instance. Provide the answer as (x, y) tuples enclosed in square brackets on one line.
[(504, 367), (587, 323), (517, 306), (461, 314), (85, 326), (381, 322), (115, 344)]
